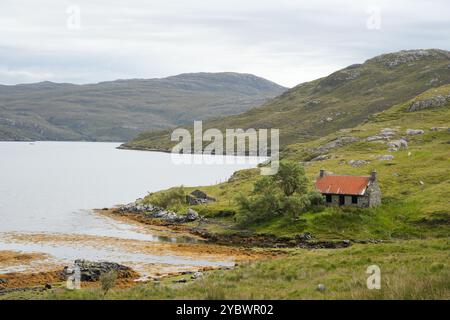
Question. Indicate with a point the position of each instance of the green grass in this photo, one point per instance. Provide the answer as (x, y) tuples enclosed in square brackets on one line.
[(415, 185), (415, 269)]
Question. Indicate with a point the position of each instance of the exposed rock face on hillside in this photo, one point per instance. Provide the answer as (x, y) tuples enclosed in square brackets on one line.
[(339, 142), (433, 102), (350, 73), (407, 56)]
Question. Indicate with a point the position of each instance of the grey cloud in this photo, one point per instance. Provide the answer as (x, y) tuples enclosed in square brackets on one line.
[(285, 41)]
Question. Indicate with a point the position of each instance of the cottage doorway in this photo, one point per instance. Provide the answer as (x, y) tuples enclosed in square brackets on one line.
[(341, 200)]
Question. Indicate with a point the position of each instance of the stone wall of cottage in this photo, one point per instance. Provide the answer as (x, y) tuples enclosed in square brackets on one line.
[(374, 193), (363, 201), (371, 198)]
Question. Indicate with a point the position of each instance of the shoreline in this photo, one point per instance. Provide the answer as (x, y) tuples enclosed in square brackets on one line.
[(242, 240), (45, 274)]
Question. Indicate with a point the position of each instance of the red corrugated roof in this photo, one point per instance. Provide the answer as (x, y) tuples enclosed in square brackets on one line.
[(352, 185)]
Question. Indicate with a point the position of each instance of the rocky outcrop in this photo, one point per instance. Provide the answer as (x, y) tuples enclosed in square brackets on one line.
[(348, 74), (388, 132), (313, 103), (375, 138), (191, 215), (138, 207), (151, 211), (440, 129), (405, 56), (358, 163), (396, 145), (386, 157), (91, 271), (339, 142), (322, 157), (433, 102), (413, 132), (385, 134)]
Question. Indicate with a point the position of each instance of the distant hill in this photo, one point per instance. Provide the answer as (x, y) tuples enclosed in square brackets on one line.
[(120, 110), (341, 100)]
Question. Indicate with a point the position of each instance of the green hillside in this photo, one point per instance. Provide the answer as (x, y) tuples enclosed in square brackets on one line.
[(341, 100), (120, 110), (414, 183)]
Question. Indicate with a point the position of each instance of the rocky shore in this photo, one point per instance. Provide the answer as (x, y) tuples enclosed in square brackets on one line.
[(151, 211), (152, 215)]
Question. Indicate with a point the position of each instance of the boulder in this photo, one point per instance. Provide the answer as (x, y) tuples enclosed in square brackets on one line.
[(413, 132), (321, 287), (321, 158), (191, 215), (376, 138), (338, 142), (386, 157), (196, 275), (357, 163), (433, 102), (396, 145), (388, 132), (439, 128), (91, 271)]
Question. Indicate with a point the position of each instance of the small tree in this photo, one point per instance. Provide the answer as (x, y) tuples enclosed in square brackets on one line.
[(294, 205), (283, 193), (108, 281), (291, 178), (257, 208)]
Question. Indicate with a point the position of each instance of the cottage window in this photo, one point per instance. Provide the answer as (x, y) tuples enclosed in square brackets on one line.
[(354, 199), (328, 198)]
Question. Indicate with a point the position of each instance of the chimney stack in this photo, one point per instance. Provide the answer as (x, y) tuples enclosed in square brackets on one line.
[(373, 175), (322, 173)]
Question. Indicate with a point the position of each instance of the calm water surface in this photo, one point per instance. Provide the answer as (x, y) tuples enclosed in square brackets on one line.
[(51, 187)]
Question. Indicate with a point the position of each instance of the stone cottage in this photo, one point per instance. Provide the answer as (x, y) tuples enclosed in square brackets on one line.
[(345, 190)]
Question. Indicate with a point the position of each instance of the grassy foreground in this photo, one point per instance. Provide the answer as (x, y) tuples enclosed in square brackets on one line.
[(413, 269)]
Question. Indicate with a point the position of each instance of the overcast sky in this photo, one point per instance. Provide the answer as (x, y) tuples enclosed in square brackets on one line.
[(286, 41)]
